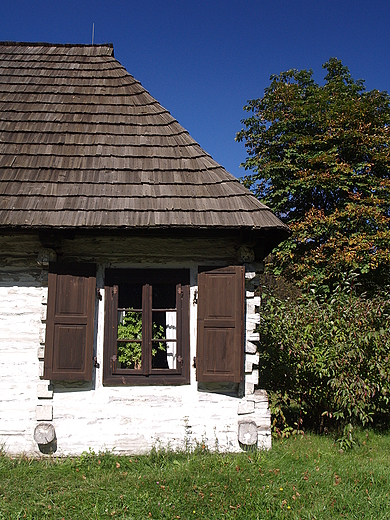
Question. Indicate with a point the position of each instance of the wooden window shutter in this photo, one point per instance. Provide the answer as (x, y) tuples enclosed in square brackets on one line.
[(220, 345), (70, 323)]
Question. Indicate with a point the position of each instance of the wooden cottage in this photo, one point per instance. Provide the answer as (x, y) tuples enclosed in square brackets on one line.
[(128, 261)]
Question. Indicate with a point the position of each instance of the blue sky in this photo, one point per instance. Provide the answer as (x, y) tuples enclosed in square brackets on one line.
[(203, 59)]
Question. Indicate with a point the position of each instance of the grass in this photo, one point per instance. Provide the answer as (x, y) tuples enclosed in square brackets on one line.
[(302, 477)]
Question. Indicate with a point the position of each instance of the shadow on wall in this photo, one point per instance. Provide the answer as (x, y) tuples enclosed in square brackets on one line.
[(17, 278)]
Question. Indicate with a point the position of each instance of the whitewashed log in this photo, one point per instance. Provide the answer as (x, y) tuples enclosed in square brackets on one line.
[(252, 377), (41, 367), (247, 433), (44, 412), (246, 407), (250, 360), (250, 347), (43, 391), (260, 396), (44, 433), (249, 388), (121, 419)]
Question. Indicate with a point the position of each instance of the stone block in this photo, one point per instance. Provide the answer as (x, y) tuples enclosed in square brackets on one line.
[(246, 407), (43, 391), (41, 352), (44, 412), (247, 433)]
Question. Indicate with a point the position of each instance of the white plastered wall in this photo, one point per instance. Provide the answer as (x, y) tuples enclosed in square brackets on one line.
[(120, 419), (20, 332)]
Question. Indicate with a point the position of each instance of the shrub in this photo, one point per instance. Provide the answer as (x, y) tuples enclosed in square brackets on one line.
[(326, 361)]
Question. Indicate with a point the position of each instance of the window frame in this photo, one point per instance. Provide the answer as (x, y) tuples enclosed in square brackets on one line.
[(112, 376)]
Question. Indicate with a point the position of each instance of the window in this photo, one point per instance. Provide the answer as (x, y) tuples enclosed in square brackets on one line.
[(146, 338)]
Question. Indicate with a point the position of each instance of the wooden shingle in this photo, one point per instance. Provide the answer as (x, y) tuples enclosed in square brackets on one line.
[(83, 144)]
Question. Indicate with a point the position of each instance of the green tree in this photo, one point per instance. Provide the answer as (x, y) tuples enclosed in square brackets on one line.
[(320, 158)]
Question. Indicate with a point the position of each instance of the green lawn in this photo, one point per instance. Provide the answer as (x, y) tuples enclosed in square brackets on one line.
[(302, 477)]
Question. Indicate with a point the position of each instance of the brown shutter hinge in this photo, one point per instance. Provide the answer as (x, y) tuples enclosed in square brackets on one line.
[(194, 365), (95, 362), (98, 294)]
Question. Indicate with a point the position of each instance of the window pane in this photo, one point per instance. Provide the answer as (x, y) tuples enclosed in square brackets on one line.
[(170, 334), (129, 353), (130, 296), (164, 328), (164, 296)]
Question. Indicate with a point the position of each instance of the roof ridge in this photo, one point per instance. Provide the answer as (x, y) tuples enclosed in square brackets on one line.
[(48, 44)]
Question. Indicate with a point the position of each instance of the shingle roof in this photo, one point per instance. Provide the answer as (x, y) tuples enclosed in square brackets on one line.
[(82, 143)]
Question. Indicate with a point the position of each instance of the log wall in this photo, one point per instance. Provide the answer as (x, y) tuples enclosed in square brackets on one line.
[(119, 419)]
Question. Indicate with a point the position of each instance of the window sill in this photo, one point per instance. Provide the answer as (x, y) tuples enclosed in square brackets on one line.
[(151, 380)]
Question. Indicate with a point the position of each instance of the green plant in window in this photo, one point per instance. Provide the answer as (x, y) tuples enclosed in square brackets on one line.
[(130, 353)]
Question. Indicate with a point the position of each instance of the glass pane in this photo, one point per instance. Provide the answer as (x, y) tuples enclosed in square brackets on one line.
[(164, 296), (129, 353), (164, 352), (130, 296)]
